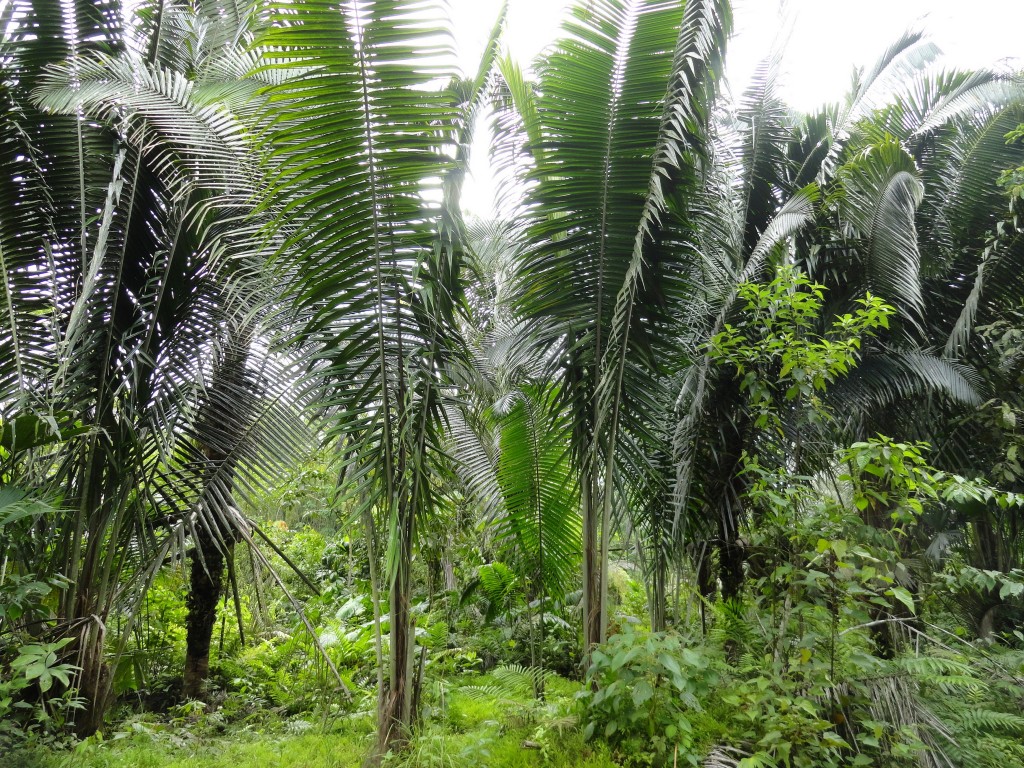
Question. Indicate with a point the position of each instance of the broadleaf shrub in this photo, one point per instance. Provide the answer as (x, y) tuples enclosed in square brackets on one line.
[(644, 694)]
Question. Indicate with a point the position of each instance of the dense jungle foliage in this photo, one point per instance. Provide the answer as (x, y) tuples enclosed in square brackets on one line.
[(707, 449)]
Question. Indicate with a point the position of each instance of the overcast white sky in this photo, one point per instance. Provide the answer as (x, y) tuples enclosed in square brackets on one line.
[(825, 39)]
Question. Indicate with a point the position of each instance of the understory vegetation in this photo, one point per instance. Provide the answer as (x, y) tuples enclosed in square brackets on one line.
[(707, 449)]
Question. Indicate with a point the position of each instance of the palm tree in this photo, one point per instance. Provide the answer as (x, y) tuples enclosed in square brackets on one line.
[(615, 131), (107, 316), (361, 134), (872, 195), (779, 173), (972, 247), (198, 61), (511, 432), (61, 254)]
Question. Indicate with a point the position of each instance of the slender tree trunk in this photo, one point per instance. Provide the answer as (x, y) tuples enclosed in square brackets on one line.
[(448, 571), (605, 540), (538, 579), (378, 644), (394, 703), (658, 593), (705, 583), (592, 607)]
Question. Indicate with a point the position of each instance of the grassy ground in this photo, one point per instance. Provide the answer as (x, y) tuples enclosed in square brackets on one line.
[(229, 751), (476, 724), (477, 750)]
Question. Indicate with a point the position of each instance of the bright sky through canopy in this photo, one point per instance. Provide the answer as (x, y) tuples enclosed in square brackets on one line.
[(822, 41)]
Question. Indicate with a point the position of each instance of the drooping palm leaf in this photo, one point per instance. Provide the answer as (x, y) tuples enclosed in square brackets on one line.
[(880, 192), (539, 490)]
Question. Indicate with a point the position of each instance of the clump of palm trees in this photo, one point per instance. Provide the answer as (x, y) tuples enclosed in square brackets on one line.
[(229, 230)]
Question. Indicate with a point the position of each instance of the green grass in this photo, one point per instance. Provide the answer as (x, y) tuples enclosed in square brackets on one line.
[(461, 729), (488, 746), (230, 751)]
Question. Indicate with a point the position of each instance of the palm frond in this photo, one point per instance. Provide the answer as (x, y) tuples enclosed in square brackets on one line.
[(881, 191), (539, 490), (894, 375)]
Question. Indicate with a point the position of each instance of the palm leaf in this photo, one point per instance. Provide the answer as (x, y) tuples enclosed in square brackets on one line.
[(539, 490), (880, 194)]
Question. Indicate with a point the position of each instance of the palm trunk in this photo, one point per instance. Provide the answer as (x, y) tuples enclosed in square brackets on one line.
[(206, 585), (658, 590), (885, 634), (705, 583), (394, 701), (215, 535), (378, 645), (730, 564), (86, 604), (593, 609), (731, 553), (94, 681)]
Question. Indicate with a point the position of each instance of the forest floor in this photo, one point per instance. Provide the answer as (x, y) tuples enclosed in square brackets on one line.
[(475, 724)]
